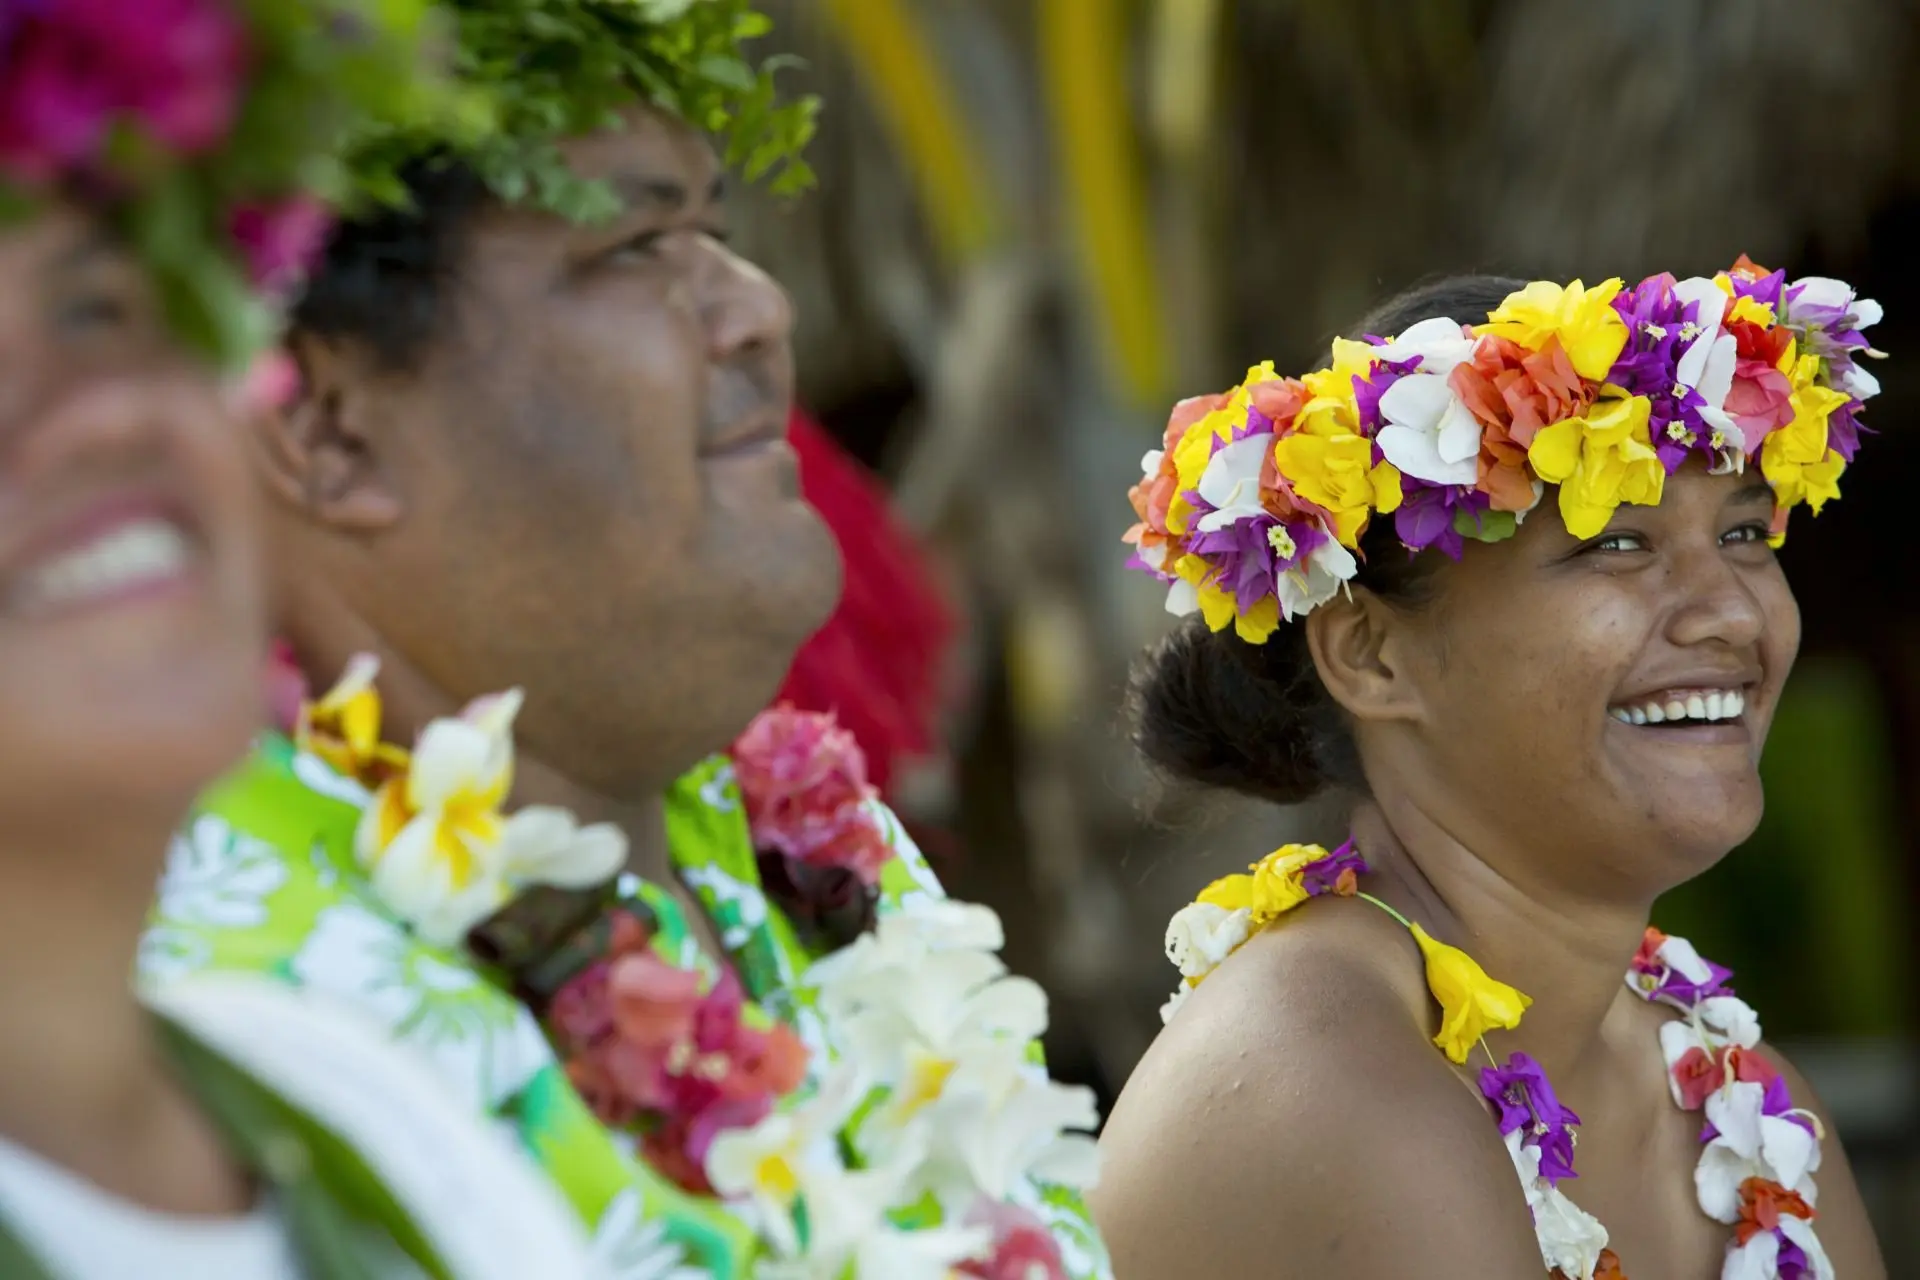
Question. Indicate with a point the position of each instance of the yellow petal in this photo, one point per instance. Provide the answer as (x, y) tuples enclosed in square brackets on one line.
[(1471, 1003), (1259, 622), (1229, 893)]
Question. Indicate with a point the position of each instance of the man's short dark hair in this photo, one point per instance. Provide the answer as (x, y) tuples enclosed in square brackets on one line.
[(382, 282)]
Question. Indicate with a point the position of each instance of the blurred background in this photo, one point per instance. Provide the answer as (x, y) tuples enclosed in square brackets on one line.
[(1039, 222)]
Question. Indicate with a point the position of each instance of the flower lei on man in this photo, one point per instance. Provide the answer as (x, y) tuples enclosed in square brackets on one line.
[(924, 1098), (1760, 1151), (1254, 508), (204, 131)]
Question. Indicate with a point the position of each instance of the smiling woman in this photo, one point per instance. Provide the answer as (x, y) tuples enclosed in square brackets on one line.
[(1545, 684)]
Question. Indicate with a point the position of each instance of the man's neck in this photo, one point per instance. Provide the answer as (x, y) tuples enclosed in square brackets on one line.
[(1566, 952), (81, 1076)]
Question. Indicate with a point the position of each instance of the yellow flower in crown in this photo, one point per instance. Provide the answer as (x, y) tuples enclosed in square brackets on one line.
[(1196, 447), (1591, 332), (343, 726), (1471, 1003), (1795, 459), (1745, 309), (1600, 459), (1219, 607), (443, 854), (1270, 888)]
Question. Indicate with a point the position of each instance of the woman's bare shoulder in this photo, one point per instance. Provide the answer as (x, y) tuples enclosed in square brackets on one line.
[(1294, 1120)]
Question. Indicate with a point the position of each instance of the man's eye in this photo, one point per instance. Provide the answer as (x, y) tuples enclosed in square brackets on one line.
[(82, 312), (644, 245)]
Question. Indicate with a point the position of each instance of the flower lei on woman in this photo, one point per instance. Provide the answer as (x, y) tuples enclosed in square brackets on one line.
[(1254, 507), (205, 131), (1759, 1151), (923, 1096)]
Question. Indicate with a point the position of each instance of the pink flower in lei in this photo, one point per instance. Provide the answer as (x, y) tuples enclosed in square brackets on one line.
[(647, 1048), (1023, 1248), (804, 780), (75, 68)]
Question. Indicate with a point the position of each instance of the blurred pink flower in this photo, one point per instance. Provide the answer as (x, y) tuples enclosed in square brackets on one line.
[(281, 241), (804, 780), (1023, 1248), (172, 67)]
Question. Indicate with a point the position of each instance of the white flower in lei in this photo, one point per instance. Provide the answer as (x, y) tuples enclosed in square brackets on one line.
[(442, 854), (930, 1033)]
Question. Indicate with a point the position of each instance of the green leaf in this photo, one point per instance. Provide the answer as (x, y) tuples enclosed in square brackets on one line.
[(1484, 526)]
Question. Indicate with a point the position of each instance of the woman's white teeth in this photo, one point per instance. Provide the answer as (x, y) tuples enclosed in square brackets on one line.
[(128, 556), (1706, 705)]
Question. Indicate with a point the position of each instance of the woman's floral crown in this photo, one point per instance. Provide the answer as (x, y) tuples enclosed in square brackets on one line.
[(1256, 504), (205, 132), (545, 70)]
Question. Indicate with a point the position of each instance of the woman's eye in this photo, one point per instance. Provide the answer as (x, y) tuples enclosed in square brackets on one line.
[(1618, 542), (83, 312), (1746, 533), (644, 245)]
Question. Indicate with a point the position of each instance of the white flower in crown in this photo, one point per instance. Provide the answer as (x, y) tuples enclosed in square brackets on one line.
[(1707, 365), (1427, 430), (442, 853)]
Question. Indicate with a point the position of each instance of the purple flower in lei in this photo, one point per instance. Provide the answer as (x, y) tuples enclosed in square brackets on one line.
[(1525, 1103), (1659, 328), (1670, 986), (1323, 875)]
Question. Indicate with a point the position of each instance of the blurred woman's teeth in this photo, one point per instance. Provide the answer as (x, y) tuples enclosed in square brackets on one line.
[(129, 556), (1704, 705)]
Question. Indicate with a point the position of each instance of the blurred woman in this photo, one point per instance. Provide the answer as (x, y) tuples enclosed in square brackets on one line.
[(1546, 682), (202, 1129)]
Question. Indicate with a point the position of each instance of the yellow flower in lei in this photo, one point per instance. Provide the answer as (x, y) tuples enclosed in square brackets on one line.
[(1591, 332), (1795, 459), (1471, 1003), (343, 726), (1270, 888), (1196, 447), (1600, 460)]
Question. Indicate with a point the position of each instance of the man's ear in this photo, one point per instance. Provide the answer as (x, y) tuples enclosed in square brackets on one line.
[(1361, 649), (317, 451)]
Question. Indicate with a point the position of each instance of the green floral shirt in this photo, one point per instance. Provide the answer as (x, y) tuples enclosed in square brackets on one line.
[(262, 879)]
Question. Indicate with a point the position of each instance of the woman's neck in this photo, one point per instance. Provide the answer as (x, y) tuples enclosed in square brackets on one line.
[(82, 1078), (1568, 953)]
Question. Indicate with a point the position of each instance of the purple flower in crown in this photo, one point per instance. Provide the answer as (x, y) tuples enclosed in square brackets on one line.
[(1334, 873), (1525, 1103), (1843, 429), (1669, 358), (1249, 554), (1768, 288), (1431, 515), (1367, 391), (1827, 318)]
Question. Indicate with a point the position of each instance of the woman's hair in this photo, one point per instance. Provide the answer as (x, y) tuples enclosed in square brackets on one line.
[(1207, 707)]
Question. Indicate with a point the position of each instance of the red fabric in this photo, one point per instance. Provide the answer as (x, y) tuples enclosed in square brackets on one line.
[(877, 663)]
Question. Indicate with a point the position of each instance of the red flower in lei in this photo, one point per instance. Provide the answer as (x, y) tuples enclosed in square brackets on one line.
[(804, 783), (648, 1049), (1763, 1203), (1023, 1248)]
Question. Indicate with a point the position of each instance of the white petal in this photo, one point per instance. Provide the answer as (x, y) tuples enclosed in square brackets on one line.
[(1859, 384), (494, 714), (1865, 313), (1232, 477), (1717, 1179), (1678, 954), (1714, 379), (542, 845), (1417, 400), (1570, 1238), (1183, 598), (452, 756), (1438, 343), (1788, 1150), (1733, 1018), (1801, 1232), (1201, 935), (410, 876), (1150, 462), (1735, 1112), (1329, 565), (1415, 452), (1459, 434), (1820, 291), (1713, 303), (447, 923), (1071, 1161), (1173, 1003), (1757, 1259)]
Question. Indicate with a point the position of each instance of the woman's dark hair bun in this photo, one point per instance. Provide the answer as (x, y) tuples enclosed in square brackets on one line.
[(1207, 707)]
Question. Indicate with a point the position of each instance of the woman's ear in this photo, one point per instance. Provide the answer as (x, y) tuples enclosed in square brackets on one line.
[(317, 450), (1364, 656)]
